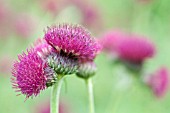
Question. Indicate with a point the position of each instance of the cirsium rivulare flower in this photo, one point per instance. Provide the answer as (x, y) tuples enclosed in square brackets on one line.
[(61, 51), (73, 40), (31, 73), (28, 74), (159, 82), (135, 49)]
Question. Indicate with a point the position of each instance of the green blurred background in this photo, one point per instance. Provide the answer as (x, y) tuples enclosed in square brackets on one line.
[(115, 89)]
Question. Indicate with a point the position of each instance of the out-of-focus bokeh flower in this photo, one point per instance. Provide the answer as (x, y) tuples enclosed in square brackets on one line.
[(159, 81), (24, 25), (91, 16), (144, 1), (111, 39), (5, 64), (135, 49), (45, 108), (53, 6), (5, 20)]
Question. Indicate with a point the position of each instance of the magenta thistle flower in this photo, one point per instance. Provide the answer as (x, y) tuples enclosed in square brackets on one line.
[(42, 48), (31, 73), (111, 39), (135, 49), (63, 107), (159, 81), (72, 40), (28, 74), (24, 25)]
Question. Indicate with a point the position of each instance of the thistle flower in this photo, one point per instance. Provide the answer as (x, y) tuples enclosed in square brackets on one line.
[(31, 73), (24, 25), (62, 65), (5, 19), (42, 48), (53, 6), (86, 70), (28, 74), (63, 107), (73, 40), (135, 49), (159, 81), (111, 39), (90, 13), (5, 64)]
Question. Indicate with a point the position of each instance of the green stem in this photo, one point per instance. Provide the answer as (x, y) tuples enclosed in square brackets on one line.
[(91, 96), (55, 94)]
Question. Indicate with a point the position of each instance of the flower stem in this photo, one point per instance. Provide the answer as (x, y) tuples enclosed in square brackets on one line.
[(91, 96), (55, 94)]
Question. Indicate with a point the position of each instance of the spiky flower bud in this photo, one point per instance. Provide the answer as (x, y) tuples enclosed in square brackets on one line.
[(62, 64), (51, 76), (86, 70)]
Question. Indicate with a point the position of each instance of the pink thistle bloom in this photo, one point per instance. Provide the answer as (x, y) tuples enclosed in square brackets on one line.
[(5, 64), (53, 6), (90, 13), (5, 20), (42, 48), (73, 40), (31, 73), (135, 49), (158, 82), (24, 25), (111, 39), (63, 108), (28, 74), (145, 1)]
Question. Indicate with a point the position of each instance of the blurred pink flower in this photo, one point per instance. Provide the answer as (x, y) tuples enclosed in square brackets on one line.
[(111, 39), (24, 25), (90, 13), (45, 108), (5, 64), (158, 81), (144, 1), (135, 49), (5, 20), (53, 6)]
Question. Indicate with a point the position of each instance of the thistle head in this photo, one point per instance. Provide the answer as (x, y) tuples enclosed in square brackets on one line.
[(28, 74), (86, 70), (42, 48), (111, 39), (135, 49), (73, 40), (159, 81), (62, 65), (24, 25), (31, 74)]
